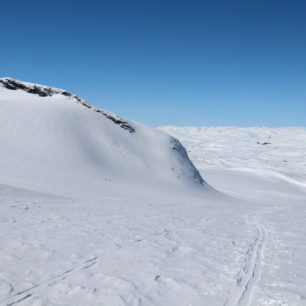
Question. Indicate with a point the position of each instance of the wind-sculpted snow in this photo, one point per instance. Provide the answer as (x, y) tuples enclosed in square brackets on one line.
[(116, 251), (93, 215), (183, 159), (50, 143), (266, 167)]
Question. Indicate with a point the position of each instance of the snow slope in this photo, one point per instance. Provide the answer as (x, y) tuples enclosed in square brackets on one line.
[(96, 210), (54, 141), (266, 167), (254, 154)]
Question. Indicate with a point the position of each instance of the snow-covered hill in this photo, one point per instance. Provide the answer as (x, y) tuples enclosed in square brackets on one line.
[(99, 211), (275, 155), (54, 141)]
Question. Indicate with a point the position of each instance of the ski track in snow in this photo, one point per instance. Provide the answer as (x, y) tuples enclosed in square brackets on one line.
[(272, 177), (130, 251), (27, 293), (249, 275)]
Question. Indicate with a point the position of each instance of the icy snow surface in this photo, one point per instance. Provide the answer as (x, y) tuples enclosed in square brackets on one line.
[(94, 215)]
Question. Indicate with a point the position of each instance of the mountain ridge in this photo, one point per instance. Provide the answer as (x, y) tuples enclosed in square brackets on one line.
[(65, 147), (46, 91)]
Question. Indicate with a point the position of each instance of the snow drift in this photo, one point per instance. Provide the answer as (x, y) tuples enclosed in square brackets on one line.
[(54, 141)]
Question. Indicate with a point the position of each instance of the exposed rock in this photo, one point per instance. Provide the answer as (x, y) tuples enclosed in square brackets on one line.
[(44, 91), (264, 143)]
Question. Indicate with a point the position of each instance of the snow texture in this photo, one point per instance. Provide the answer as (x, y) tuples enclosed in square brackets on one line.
[(54, 144), (92, 214)]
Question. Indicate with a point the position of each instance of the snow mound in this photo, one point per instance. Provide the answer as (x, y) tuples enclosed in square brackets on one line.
[(54, 141)]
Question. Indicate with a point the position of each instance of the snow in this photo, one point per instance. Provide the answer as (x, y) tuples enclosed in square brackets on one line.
[(271, 179), (92, 214), (55, 144)]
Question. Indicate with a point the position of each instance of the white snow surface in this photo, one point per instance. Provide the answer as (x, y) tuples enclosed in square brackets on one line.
[(56, 144), (265, 167), (94, 215)]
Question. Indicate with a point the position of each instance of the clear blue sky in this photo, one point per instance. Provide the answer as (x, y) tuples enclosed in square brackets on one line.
[(166, 62)]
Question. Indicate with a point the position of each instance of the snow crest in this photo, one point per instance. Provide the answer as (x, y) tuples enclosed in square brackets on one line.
[(45, 91), (51, 143)]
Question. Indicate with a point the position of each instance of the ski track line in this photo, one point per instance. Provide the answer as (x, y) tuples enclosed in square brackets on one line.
[(27, 293), (249, 274)]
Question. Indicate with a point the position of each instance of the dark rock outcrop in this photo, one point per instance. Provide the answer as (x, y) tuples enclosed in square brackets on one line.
[(44, 91)]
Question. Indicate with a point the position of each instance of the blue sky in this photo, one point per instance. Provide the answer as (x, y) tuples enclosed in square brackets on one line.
[(166, 62)]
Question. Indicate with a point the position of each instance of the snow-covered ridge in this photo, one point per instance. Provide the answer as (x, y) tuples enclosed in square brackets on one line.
[(50, 142), (46, 91)]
